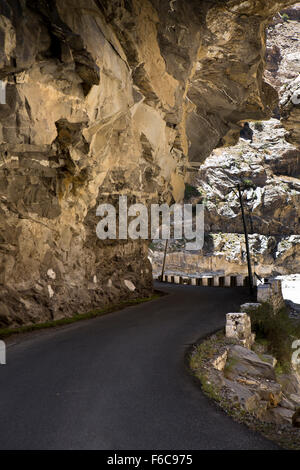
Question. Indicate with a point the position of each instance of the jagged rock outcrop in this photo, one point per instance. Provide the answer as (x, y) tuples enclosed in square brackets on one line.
[(282, 58), (102, 98), (269, 166), (290, 110), (283, 68), (225, 254)]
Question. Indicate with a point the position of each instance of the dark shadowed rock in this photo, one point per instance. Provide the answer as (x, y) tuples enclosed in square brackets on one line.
[(296, 419)]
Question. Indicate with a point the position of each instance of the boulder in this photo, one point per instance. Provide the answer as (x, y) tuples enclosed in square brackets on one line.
[(290, 384), (220, 361), (270, 392), (285, 403), (241, 394), (279, 415), (269, 359), (246, 363), (295, 399)]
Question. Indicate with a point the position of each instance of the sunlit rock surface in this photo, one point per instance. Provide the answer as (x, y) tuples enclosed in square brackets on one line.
[(104, 98), (269, 170)]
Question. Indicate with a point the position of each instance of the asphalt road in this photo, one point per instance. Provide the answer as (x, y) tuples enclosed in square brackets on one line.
[(119, 381)]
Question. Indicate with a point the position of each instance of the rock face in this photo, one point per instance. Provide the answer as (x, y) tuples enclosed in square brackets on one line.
[(282, 57), (267, 166), (271, 165), (102, 98), (290, 109), (225, 254)]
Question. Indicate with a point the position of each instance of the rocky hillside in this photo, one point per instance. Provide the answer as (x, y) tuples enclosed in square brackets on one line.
[(225, 253), (106, 98), (268, 168)]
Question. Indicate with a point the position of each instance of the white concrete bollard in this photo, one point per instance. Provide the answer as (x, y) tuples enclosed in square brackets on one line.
[(238, 326), (263, 292), (271, 293)]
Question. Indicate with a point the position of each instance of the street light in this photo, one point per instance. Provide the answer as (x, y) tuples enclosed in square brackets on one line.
[(247, 242)]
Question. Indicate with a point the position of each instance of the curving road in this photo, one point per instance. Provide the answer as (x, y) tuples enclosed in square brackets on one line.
[(119, 381)]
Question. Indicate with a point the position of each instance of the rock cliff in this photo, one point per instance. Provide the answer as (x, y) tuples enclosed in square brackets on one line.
[(267, 166), (106, 98)]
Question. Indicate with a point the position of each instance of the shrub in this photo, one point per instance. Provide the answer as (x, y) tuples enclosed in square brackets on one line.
[(285, 17), (278, 330), (247, 184), (190, 191), (258, 126)]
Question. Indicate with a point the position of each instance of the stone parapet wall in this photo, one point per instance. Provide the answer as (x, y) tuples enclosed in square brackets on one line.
[(271, 292)]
